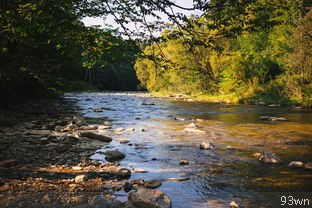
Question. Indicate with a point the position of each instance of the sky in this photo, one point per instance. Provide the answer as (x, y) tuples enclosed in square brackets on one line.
[(91, 21)]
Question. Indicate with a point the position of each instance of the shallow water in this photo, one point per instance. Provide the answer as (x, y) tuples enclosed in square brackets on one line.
[(217, 176)]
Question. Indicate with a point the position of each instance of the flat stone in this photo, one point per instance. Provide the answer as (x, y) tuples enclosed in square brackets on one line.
[(140, 171), (124, 141), (296, 164), (92, 135), (177, 179), (152, 183)]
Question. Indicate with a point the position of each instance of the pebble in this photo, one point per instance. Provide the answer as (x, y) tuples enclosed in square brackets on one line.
[(81, 178), (183, 162), (76, 168)]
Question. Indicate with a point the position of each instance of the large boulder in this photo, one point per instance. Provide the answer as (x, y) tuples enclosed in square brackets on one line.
[(150, 198), (92, 135)]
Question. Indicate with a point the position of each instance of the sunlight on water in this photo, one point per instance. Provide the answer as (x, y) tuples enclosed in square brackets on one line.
[(217, 176)]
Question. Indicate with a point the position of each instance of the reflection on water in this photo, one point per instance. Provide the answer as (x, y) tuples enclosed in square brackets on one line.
[(217, 176)]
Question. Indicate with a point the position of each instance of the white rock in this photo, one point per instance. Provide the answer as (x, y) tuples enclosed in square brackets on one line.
[(296, 164), (234, 205), (81, 178), (192, 125), (119, 129), (76, 168), (205, 145)]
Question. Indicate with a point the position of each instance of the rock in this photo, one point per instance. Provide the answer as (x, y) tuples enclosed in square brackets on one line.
[(139, 147), (78, 120), (307, 166), (192, 125), (119, 129), (123, 173), (139, 182), (274, 105), (130, 129), (77, 168), (296, 164), (113, 155), (194, 130), (177, 179), (140, 171), (70, 127), (144, 198), (89, 127), (102, 127), (46, 198), (260, 103), (269, 118), (233, 205), (127, 187), (81, 178), (152, 183), (107, 108), (59, 128), (92, 135), (278, 119), (265, 117), (179, 118), (268, 158), (148, 104), (230, 147), (124, 141), (205, 145), (183, 162), (107, 123)]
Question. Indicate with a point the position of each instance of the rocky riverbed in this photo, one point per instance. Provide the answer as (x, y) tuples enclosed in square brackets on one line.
[(133, 150)]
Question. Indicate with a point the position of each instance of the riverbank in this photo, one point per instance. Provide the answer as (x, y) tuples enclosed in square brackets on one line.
[(232, 99), (39, 166)]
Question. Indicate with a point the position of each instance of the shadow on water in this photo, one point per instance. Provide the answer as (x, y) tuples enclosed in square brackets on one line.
[(217, 176)]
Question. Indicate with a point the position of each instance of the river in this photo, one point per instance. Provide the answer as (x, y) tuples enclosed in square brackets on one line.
[(216, 176)]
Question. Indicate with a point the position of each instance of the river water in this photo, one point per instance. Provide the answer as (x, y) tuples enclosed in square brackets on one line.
[(217, 176)]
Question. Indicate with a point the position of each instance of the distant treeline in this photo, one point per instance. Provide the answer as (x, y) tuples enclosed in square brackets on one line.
[(255, 50)]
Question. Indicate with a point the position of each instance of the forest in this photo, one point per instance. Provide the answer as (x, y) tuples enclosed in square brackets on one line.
[(237, 51)]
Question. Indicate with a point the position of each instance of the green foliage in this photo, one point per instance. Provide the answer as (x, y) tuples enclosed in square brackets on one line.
[(298, 76), (240, 50)]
